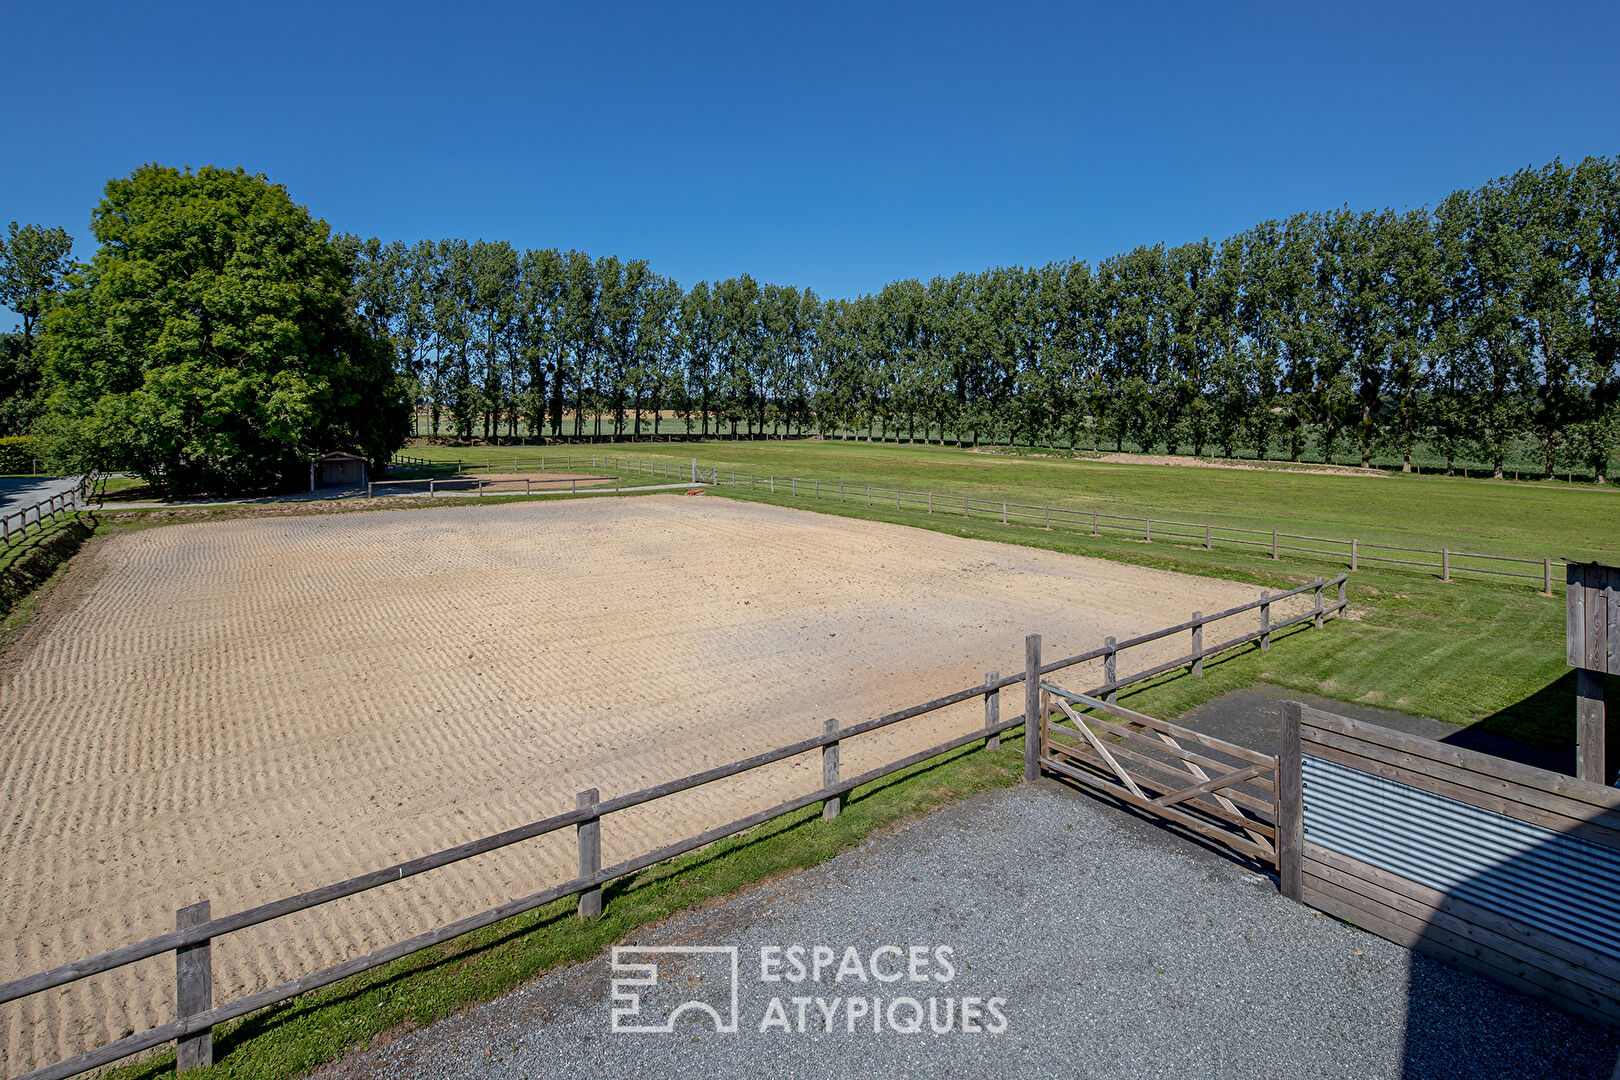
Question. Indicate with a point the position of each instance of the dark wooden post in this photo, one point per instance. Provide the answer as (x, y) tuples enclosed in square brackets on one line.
[(1198, 644), (1032, 706), (588, 835), (992, 709), (1593, 643), (1590, 721), (193, 990), (829, 770), (1208, 543), (1318, 594), (1273, 543), (1110, 668), (1445, 564), (1343, 584), (1265, 622), (1290, 804)]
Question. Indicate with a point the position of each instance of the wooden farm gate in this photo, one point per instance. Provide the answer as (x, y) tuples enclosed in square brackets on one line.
[(1217, 789)]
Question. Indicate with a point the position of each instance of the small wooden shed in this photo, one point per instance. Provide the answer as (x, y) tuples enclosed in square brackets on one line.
[(339, 469)]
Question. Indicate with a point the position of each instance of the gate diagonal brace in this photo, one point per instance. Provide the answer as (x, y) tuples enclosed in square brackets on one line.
[(1208, 786), (1096, 743)]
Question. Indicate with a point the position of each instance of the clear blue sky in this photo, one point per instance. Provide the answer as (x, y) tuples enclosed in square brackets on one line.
[(837, 147)]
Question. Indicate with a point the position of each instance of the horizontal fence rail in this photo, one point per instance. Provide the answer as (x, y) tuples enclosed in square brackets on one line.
[(526, 485), (1352, 551), (196, 934), (14, 523)]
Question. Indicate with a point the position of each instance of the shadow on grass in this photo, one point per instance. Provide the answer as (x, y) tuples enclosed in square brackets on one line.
[(1544, 723)]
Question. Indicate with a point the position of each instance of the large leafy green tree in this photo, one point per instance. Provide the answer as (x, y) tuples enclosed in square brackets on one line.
[(212, 344), (33, 262)]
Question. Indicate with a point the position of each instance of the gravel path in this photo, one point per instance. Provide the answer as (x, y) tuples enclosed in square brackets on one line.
[(1120, 951)]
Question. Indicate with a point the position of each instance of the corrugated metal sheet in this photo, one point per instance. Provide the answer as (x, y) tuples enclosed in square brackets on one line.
[(1558, 883)]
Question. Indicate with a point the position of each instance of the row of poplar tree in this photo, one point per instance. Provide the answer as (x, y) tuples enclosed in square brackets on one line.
[(1486, 322)]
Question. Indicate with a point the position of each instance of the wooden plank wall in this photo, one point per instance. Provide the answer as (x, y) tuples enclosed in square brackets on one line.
[(1529, 958)]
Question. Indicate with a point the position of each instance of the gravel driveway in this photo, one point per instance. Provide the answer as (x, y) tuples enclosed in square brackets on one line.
[(1118, 950)]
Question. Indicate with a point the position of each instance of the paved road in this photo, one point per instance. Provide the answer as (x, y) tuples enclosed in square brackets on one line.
[(1120, 951), (17, 492)]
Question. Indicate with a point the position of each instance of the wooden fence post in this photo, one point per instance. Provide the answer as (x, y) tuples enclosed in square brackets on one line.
[(1004, 512), (1033, 722), (1353, 553), (1590, 722), (1265, 622), (1149, 523), (1110, 668), (1094, 523), (588, 836), (1445, 564), (193, 990), (1198, 644), (1273, 543), (1290, 804), (1048, 519), (1342, 601), (1318, 595), (1208, 542), (829, 770), (992, 709), (1546, 577)]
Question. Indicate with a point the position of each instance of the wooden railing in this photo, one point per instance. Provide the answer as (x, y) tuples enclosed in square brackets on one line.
[(14, 524), (195, 930), (1272, 542), (478, 485)]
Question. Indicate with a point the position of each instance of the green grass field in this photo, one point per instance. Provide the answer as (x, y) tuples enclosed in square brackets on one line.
[(1542, 520)]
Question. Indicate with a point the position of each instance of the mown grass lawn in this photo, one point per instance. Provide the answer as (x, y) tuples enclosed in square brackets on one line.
[(1534, 520)]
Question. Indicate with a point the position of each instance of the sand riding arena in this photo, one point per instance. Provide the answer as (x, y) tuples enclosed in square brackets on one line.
[(238, 710)]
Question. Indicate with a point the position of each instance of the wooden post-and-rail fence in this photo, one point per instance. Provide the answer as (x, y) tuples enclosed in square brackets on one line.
[(1354, 551), (1273, 542), (14, 524), (196, 929)]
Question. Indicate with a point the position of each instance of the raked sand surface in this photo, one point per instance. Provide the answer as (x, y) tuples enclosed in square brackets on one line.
[(245, 709)]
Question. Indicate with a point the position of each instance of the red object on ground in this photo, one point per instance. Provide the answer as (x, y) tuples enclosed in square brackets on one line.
[(695, 491)]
